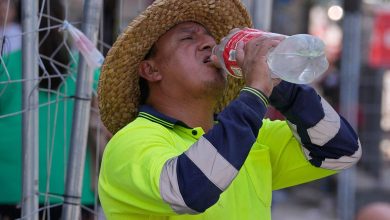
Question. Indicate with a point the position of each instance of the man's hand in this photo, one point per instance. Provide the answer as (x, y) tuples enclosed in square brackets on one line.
[(252, 58)]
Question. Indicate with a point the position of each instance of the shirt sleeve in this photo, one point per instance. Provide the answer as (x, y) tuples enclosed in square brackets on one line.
[(326, 138), (213, 162), (142, 173)]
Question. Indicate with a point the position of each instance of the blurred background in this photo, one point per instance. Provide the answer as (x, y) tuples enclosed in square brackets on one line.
[(50, 125)]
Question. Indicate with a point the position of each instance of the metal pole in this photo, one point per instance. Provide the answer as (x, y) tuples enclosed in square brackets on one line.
[(262, 14), (349, 97), (75, 168), (118, 17), (30, 135)]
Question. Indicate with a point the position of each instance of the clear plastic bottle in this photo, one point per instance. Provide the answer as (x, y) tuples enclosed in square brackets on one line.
[(298, 58)]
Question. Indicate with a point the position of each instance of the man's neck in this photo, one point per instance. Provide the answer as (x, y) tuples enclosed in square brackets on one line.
[(194, 113)]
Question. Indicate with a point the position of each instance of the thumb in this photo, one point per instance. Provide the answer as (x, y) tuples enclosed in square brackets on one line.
[(240, 53), (215, 61)]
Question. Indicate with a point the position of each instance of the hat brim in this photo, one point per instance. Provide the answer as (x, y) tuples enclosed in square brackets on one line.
[(118, 90)]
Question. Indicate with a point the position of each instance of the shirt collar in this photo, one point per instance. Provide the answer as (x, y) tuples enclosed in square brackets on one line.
[(148, 112)]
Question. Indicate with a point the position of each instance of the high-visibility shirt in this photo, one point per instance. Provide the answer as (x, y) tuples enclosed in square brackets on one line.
[(157, 167)]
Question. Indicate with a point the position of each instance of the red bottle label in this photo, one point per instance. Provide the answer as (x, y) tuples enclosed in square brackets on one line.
[(229, 53)]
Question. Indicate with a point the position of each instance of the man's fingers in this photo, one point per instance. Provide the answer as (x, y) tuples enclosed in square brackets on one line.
[(215, 61), (240, 52), (262, 45)]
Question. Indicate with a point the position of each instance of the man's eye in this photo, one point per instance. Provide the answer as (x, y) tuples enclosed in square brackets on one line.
[(187, 38)]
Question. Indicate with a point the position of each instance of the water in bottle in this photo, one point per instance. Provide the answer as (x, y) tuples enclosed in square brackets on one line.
[(298, 58)]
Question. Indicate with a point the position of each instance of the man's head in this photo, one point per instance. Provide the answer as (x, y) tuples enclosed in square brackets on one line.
[(179, 65), (119, 90)]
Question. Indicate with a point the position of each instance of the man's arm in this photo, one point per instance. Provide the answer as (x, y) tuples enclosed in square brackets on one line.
[(194, 180), (142, 163), (327, 139), (211, 164)]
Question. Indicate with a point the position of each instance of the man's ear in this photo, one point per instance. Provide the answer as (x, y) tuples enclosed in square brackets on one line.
[(148, 71)]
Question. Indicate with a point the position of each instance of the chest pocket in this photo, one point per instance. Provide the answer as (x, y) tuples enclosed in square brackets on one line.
[(259, 170)]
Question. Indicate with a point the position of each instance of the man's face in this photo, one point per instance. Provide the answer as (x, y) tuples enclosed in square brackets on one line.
[(183, 59)]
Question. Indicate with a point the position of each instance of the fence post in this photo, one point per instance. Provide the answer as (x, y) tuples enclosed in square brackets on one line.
[(349, 99), (30, 103), (81, 113), (262, 14)]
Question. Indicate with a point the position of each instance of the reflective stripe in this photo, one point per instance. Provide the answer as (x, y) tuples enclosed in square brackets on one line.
[(327, 128), (155, 119), (306, 152), (322, 133), (328, 163), (213, 165), (169, 188), (342, 162), (257, 93), (293, 129)]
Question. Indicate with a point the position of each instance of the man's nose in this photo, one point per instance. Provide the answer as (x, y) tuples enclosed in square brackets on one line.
[(207, 43)]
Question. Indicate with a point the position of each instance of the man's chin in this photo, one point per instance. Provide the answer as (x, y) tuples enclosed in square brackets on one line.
[(217, 88)]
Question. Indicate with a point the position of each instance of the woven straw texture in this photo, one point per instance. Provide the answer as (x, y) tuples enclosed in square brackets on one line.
[(118, 90)]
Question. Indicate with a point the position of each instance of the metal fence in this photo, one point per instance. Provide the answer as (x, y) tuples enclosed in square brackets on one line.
[(44, 141)]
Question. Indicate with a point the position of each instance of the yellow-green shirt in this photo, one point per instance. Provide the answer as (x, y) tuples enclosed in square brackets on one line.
[(156, 167)]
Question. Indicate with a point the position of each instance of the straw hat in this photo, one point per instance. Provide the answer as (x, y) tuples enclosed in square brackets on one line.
[(119, 92)]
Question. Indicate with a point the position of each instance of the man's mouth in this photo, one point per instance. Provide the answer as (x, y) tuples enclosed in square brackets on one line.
[(207, 60)]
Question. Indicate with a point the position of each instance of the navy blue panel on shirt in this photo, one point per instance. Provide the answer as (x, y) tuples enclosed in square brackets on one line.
[(302, 106), (343, 144), (233, 137), (299, 103), (239, 125), (196, 189)]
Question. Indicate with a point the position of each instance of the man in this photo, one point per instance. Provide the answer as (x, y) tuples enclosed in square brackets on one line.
[(171, 157)]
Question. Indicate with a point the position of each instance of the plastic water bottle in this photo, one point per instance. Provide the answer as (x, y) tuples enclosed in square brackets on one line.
[(298, 58)]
